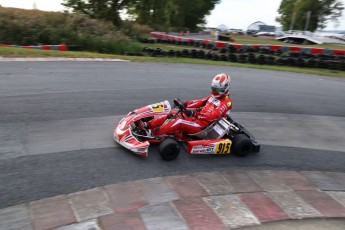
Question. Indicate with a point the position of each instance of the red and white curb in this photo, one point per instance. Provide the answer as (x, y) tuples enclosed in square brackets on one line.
[(59, 59), (209, 200)]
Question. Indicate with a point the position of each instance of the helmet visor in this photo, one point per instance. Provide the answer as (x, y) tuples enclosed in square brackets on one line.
[(216, 89)]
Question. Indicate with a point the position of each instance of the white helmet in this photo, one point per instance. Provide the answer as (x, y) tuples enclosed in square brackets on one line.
[(220, 85)]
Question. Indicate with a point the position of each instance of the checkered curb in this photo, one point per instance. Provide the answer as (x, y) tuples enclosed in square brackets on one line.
[(58, 59), (207, 200)]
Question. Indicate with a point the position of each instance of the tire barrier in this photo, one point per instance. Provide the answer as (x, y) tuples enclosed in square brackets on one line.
[(281, 61), (311, 63), (255, 47), (301, 60), (232, 57), (252, 58), (261, 59), (270, 60), (242, 58), (303, 57)]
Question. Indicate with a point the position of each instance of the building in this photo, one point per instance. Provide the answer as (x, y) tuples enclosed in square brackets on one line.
[(259, 26)]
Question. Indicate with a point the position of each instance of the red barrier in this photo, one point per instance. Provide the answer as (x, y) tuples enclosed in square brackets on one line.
[(275, 47), (45, 47), (190, 40), (295, 48), (339, 52), (256, 45), (158, 36), (238, 46), (220, 44), (62, 47), (316, 50), (205, 41)]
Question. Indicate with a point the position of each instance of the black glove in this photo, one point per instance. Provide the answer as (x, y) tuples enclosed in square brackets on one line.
[(189, 113)]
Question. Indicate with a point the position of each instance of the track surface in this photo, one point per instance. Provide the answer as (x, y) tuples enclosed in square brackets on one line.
[(57, 118)]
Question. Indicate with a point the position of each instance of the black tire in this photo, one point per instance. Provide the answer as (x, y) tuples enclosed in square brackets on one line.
[(169, 149), (241, 145)]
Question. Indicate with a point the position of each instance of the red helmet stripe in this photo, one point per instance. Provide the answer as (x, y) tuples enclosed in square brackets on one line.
[(222, 78)]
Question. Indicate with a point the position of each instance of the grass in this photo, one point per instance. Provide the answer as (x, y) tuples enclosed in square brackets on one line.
[(20, 52)]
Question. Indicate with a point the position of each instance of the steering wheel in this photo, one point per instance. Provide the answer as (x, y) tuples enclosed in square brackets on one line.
[(179, 104)]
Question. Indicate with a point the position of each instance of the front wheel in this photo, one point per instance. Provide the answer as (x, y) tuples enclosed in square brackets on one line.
[(241, 145), (169, 149)]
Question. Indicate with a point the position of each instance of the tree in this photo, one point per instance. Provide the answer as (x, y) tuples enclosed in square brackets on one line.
[(99, 9), (191, 13), (179, 14), (321, 12), (150, 12), (160, 14), (330, 9)]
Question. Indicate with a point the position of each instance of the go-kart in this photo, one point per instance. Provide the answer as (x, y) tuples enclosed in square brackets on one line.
[(223, 136)]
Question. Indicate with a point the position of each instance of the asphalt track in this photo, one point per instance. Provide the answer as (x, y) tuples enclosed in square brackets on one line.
[(57, 118)]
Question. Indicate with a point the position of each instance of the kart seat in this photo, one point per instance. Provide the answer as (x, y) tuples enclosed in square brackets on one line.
[(215, 130)]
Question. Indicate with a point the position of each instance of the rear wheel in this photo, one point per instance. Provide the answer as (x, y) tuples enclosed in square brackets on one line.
[(241, 145), (169, 149)]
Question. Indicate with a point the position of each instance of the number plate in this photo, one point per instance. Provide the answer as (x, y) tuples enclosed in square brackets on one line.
[(159, 107), (223, 147)]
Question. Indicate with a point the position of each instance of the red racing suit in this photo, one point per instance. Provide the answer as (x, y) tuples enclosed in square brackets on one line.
[(206, 110)]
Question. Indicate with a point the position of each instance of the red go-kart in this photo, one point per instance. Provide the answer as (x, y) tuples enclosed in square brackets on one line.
[(223, 136)]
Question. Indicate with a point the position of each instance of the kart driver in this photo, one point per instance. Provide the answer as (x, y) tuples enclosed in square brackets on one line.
[(199, 113)]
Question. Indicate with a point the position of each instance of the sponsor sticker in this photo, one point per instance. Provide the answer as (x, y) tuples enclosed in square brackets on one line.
[(202, 149)]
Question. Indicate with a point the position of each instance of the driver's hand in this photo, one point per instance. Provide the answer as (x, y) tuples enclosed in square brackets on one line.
[(189, 113)]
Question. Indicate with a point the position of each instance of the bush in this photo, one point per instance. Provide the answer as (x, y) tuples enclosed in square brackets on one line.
[(33, 27), (224, 38), (134, 29)]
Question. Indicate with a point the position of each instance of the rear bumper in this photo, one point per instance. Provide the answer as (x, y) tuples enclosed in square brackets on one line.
[(256, 147)]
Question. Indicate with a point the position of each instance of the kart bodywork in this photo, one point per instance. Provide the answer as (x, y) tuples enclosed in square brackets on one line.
[(223, 136)]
